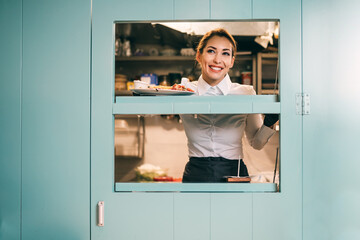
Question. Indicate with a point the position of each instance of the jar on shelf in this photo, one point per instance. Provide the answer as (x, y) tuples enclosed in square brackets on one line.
[(120, 82), (149, 78), (246, 78), (164, 80)]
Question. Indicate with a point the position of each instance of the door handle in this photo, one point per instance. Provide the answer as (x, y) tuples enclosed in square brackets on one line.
[(100, 213)]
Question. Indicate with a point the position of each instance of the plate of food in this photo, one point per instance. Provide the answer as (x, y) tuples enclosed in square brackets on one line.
[(176, 89)]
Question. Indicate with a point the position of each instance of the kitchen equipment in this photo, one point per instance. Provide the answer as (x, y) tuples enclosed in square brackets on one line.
[(276, 161), (164, 80), (120, 82), (130, 85), (153, 52), (175, 78), (238, 179), (140, 84), (168, 52), (149, 78), (187, 52), (246, 78)]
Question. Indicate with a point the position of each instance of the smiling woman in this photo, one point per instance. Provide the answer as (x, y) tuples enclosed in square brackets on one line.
[(215, 140), (215, 54)]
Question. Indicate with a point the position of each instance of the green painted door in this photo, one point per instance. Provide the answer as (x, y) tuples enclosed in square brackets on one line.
[(195, 215)]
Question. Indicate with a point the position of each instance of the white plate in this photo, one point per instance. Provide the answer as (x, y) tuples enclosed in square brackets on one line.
[(155, 92)]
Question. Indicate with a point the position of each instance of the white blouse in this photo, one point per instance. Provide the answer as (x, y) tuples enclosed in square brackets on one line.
[(220, 135)]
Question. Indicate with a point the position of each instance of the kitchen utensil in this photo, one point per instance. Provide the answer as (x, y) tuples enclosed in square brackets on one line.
[(140, 84), (238, 179), (150, 78), (164, 80), (246, 78), (276, 161), (175, 78)]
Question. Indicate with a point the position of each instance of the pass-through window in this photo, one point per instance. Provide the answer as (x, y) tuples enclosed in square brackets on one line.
[(152, 143)]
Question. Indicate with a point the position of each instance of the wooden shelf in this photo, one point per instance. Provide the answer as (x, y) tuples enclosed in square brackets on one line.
[(262, 60), (270, 55), (269, 91)]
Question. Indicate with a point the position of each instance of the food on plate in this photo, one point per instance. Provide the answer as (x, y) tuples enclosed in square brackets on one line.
[(180, 87), (176, 87), (163, 179), (147, 172), (159, 87)]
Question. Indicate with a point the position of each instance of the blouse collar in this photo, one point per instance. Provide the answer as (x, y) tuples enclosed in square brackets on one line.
[(224, 86)]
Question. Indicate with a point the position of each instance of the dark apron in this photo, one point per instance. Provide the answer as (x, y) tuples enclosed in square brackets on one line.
[(212, 169)]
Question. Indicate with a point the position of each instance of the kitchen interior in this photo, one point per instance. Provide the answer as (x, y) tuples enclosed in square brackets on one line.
[(153, 148)]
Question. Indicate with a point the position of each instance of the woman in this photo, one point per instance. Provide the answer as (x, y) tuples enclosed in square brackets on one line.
[(215, 140)]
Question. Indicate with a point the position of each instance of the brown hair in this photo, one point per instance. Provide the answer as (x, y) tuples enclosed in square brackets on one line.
[(220, 32)]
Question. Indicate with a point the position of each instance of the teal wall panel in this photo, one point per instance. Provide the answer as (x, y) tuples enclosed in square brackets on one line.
[(137, 10), (272, 218), (231, 216), (56, 120), (278, 216), (191, 10), (264, 9), (123, 211), (10, 119), (138, 216), (331, 77), (192, 216), (231, 9)]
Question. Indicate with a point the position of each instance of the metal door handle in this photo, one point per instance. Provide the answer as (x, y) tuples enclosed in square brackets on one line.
[(100, 214)]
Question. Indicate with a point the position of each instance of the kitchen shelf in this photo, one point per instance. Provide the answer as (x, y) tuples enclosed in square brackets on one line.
[(269, 91), (196, 187), (240, 104), (266, 59), (171, 58), (156, 58)]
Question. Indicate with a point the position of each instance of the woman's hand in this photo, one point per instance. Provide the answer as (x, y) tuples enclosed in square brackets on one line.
[(270, 119)]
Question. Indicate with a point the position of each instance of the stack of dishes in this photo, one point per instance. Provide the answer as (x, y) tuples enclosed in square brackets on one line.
[(120, 82)]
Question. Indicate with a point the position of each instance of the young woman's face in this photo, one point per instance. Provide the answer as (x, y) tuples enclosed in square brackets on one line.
[(216, 59)]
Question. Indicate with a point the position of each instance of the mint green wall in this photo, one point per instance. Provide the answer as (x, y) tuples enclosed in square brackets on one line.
[(331, 60), (56, 120), (45, 119), (10, 115), (45, 127)]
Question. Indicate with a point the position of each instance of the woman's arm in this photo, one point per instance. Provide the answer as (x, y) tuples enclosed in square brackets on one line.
[(256, 132)]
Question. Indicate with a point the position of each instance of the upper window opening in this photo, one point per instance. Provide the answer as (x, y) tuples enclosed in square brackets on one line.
[(162, 53)]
